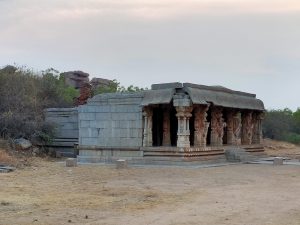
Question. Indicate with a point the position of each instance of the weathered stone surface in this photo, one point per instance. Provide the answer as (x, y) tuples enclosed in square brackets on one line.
[(166, 86), (22, 143), (85, 94), (71, 162), (100, 82), (75, 79)]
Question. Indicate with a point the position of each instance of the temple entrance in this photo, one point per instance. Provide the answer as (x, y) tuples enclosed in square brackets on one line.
[(208, 119), (158, 125), (157, 130)]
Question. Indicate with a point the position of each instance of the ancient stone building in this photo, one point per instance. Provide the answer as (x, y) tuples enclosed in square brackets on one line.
[(170, 121)]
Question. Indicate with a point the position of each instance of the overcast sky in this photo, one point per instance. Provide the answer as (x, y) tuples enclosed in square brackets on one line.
[(247, 45)]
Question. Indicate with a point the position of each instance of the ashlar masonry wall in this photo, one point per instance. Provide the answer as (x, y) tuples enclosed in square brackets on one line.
[(111, 121), (65, 121)]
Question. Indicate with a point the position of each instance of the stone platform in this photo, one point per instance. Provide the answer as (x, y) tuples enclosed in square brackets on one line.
[(161, 155)]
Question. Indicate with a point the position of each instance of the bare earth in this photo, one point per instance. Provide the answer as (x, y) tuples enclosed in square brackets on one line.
[(50, 193)]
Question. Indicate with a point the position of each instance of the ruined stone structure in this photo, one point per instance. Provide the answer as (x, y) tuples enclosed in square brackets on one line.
[(174, 120), (66, 130)]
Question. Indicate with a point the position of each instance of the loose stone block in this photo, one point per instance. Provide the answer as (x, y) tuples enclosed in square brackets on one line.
[(278, 161), (121, 164), (71, 162)]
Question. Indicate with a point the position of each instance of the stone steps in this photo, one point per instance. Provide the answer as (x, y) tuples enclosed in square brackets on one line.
[(182, 154)]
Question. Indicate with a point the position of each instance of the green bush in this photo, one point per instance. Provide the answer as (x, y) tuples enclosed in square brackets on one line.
[(23, 97)]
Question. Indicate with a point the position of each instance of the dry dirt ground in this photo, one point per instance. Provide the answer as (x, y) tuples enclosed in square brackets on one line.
[(47, 192)]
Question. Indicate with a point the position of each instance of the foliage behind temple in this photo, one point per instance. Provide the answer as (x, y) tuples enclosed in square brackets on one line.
[(23, 96), (282, 125)]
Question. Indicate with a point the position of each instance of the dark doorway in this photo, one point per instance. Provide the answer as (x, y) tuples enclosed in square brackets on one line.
[(157, 131), (192, 128), (173, 126), (208, 118)]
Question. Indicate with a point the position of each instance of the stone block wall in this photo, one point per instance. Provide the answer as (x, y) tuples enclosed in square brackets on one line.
[(111, 121), (66, 129)]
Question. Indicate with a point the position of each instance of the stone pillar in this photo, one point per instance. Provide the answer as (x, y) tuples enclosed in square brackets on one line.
[(237, 127), (257, 127), (230, 127), (183, 104), (166, 127), (247, 128), (183, 133), (201, 125), (217, 126), (147, 137)]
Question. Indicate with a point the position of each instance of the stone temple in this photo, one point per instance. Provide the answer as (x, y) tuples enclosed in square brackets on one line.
[(172, 121)]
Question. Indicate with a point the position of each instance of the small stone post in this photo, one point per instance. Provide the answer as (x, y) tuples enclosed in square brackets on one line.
[(121, 164), (71, 162)]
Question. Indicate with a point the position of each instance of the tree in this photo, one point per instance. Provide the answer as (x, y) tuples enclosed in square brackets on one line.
[(282, 125), (277, 123), (114, 87)]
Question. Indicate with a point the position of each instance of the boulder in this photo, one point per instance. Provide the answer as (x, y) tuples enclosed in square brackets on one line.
[(22, 143)]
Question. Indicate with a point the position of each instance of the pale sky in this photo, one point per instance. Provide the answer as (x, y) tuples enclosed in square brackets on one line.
[(246, 45)]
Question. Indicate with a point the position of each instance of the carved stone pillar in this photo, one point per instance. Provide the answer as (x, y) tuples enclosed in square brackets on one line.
[(229, 127), (201, 126), (166, 128), (247, 128), (217, 126), (147, 137), (237, 126), (183, 134), (183, 104), (257, 127)]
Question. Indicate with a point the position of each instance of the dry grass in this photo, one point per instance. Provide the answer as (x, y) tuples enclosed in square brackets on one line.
[(50, 193), (280, 148), (6, 159)]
